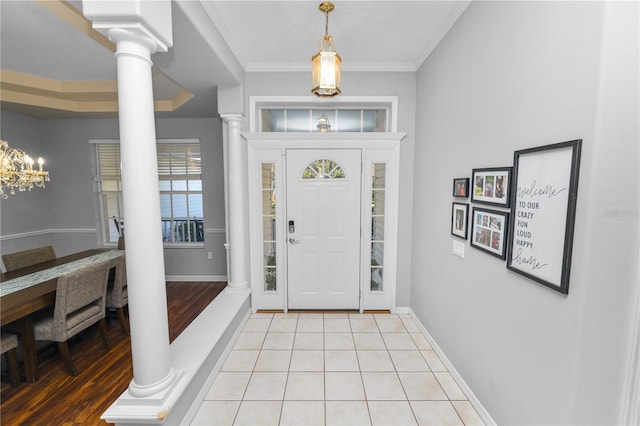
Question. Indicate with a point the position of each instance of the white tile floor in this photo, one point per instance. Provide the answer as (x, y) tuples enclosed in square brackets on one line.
[(334, 369)]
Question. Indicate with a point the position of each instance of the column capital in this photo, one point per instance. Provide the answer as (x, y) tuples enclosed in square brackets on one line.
[(227, 118), (148, 19), (132, 43)]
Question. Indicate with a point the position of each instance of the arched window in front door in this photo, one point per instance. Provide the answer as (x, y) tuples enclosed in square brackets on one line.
[(323, 169)]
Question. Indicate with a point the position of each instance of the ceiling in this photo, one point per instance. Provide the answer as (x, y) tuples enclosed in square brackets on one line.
[(54, 65)]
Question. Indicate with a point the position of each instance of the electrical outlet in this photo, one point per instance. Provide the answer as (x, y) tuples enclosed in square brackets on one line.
[(210, 255)]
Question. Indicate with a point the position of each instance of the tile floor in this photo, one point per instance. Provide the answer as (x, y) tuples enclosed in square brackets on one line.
[(334, 369)]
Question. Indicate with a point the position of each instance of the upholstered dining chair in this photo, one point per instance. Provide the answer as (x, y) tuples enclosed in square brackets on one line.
[(117, 294), (28, 257), (8, 345), (80, 303)]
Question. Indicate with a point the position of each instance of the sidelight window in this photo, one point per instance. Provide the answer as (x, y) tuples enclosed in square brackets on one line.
[(269, 226), (378, 192)]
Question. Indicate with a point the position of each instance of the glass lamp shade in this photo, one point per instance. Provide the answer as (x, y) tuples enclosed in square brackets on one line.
[(326, 69)]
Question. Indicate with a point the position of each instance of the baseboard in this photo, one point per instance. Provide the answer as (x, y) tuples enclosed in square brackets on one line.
[(401, 310), (196, 278), (482, 412)]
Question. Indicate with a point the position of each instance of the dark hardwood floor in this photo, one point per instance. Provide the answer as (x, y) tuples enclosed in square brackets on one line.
[(60, 399)]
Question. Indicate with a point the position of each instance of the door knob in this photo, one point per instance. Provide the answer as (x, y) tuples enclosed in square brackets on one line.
[(294, 241)]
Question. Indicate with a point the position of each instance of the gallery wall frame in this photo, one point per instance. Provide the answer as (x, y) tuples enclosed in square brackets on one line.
[(459, 218), (489, 231), (491, 186), (545, 189), (461, 187)]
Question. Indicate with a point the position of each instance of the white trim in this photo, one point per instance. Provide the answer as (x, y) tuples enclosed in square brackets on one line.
[(46, 231), (185, 245), (197, 278), (630, 414), (482, 412), (215, 231), (81, 231), (388, 102), (402, 310), (457, 11), (182, 140), (261, 299), (351, 67)]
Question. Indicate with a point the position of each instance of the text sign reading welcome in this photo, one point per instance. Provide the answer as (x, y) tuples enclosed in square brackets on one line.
[(544, 199)]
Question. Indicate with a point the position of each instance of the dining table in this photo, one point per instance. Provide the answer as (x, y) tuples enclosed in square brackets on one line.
[(25, 291)]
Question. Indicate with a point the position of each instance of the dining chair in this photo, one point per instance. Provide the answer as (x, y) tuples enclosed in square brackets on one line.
[(28, 257), (117, 297), (80, 303), (8, 347)]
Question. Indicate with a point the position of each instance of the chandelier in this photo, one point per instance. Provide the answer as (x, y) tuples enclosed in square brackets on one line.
[(16, 171), (325, 64)]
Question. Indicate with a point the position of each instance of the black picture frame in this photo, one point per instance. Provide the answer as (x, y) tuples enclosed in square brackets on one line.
[(459, 219), (491, 186), (461, 187), (489, 231), (545, 191)]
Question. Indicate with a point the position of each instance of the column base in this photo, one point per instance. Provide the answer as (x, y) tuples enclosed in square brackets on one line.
[(147, 409), (238, 288), (155, 389)]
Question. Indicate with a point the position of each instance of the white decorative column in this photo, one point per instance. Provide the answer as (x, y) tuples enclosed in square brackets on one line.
[(138, 29), (152, 371), (238, 204)]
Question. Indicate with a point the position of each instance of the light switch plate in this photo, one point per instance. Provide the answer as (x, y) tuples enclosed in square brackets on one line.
[(458, 249)]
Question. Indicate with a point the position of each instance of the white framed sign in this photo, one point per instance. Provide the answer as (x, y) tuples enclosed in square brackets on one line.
[(545, 189)]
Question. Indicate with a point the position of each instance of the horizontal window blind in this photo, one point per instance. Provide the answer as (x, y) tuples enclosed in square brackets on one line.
[(180, 183)]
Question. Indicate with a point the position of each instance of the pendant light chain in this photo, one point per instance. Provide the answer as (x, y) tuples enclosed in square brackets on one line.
[(326, 25)]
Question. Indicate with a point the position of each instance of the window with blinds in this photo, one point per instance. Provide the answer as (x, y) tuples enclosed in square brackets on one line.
[(180, 184)]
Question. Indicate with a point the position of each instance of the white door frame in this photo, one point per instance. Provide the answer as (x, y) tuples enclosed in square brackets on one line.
[(270, 148)]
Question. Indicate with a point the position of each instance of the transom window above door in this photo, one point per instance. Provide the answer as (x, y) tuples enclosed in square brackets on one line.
[(306, 114), (323, 120)]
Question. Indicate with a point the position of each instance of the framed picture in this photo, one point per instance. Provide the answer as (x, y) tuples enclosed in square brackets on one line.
[(461, 187), (459, 215), (544, 209), (489, 231), (491, 186)]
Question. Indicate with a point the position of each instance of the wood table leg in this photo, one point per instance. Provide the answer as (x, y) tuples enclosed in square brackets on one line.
[(29, 350)]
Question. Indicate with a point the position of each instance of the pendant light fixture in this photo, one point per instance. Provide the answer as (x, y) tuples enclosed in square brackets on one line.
[(326, 63)]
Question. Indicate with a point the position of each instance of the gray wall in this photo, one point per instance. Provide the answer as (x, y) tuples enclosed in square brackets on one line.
[(25, 213), (64, 213), (514, 75), (397, 84)]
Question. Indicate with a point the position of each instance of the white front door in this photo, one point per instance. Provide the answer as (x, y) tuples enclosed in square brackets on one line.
[(323, 228)]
